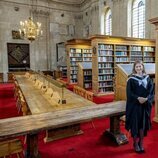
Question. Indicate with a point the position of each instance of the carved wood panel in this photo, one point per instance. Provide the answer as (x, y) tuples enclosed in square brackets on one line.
[(18, 56)]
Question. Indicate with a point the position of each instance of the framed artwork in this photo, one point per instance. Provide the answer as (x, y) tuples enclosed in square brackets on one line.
[(18, 56), (16, 35), (60, 54)]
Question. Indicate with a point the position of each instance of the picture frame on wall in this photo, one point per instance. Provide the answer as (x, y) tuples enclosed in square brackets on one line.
[(18, 56), (16, 35)]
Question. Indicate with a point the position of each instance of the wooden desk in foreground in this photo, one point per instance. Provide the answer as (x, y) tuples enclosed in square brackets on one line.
[(33, 124)]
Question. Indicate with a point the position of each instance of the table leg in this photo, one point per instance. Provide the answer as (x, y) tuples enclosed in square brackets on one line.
[(32, 146), (114, 132)]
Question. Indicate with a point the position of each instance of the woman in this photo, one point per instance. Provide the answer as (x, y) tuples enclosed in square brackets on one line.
[(140, 95)]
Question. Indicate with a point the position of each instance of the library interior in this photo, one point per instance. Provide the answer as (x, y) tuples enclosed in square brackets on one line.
[(78, 78)]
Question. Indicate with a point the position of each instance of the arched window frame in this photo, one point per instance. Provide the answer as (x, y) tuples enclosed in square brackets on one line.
[(138, 18), (108, 22)]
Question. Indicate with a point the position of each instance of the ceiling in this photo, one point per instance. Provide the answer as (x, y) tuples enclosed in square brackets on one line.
[(70, 1)]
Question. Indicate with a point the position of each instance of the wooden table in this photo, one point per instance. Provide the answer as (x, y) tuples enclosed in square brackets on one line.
[(38, 103)]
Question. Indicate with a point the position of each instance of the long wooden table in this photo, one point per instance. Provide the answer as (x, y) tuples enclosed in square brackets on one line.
[(39, 103), (31, 125)]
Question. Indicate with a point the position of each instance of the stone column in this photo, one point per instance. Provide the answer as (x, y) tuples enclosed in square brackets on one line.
[(155, 22)]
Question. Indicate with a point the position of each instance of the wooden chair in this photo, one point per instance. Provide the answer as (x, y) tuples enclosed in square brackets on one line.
[(56, 97), (48, 93), (16, 89), (82, 92), (44, 88), (24, 106), (32, 78), (27, 74), (10, 147), (40, 84), (37, 83), (18, 95), (89, 95), (75, 89)]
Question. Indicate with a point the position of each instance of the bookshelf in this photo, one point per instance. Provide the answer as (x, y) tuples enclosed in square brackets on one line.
[(108, 51), (64, 71), (78, 50), (85, 75)]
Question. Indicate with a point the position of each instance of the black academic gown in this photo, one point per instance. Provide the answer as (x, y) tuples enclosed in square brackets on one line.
[(138, 115)]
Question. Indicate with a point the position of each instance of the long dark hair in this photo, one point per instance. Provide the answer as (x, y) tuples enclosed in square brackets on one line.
[(138, 62)]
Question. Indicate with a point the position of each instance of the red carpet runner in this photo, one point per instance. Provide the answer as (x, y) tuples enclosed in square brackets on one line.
[(89, 145)]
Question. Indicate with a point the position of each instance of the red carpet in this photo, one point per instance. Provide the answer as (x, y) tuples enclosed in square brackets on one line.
[(7, 101), (89, 145)]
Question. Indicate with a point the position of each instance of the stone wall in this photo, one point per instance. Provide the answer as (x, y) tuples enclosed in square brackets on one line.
[(120, 19), (61, 22), (58, 25)]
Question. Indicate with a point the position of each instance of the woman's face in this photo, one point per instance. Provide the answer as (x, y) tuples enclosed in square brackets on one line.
[(139, 68)]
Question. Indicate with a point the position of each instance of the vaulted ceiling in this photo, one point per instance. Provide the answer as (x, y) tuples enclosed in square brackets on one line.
[(70, 1)]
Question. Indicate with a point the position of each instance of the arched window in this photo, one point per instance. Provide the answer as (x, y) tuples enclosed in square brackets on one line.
[(138, 18), (108, 23)]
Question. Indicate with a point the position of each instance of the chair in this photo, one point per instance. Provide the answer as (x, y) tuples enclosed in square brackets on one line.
[(10, 147), (40, 85), (37, 83), (89, 95), (27, 74), (49, 92), (56, 97)]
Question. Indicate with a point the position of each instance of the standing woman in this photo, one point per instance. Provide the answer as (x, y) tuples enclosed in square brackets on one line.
[(140, 96)]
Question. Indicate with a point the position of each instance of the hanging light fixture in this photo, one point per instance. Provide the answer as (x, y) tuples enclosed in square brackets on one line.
[(29, 29)]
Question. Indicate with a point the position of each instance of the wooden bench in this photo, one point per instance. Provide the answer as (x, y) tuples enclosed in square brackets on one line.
[(33, 124)]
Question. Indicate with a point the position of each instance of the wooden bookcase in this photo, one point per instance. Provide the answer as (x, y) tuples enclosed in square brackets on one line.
[(123, 71), (85, 75), (108, 51), (64, 71), (78, 50)]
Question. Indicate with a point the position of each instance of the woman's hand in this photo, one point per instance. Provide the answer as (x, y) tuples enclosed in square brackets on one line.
[(142, 100)]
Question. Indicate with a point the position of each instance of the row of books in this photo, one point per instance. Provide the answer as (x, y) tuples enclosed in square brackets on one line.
[(87, 59), (88, 85), (105, 71), (105, 59), (105, 65), (122, 59), (106, 89), (87, 78), (121, 53), (75, 59), (88, 72), (87, 55), (105, 77), (103, 84), (73, 72), (77, 50), (105, 53), (73, 80), (104, 46)]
